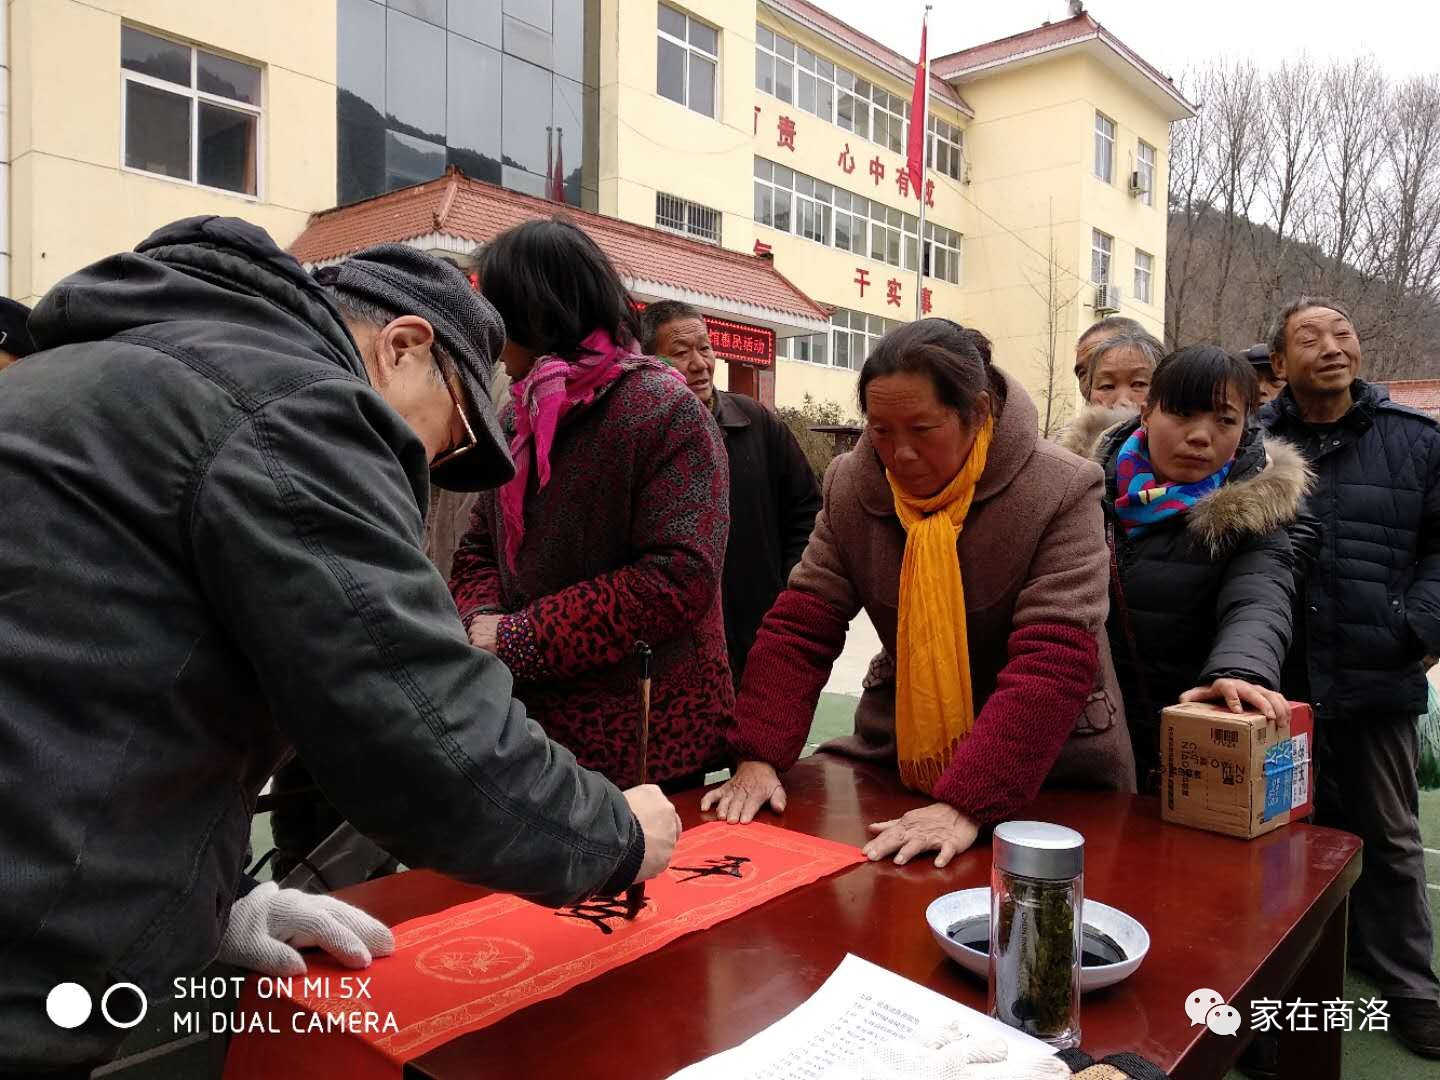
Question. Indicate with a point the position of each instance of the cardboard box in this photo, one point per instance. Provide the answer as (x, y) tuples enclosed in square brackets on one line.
[(1237, 774)]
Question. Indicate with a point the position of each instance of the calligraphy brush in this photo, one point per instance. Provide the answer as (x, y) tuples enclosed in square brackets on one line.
[(635, 894)]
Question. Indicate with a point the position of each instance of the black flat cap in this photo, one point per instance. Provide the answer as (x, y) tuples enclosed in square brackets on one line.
[(409, 282), (1259, 355)]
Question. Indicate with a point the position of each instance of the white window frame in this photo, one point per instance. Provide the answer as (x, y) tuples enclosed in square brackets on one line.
[(195, 96), (903, 117), (844, 76), (841, 80), (1145, 168), (943, 133), (786, 349), (818, 204), (776, 59), (691, 215), (949, 243), (893, 225), (817, 75), (687, 47), (1104, 137), (1102, 252), (775, 189), (859, 220), (1144, 274), (864, 336)]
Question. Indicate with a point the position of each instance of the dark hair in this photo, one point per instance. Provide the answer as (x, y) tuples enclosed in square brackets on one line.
[(1114, 324), (982, 345), (950, 354), (554, 287), (1196, 378), (661, 314), (1299, 304)]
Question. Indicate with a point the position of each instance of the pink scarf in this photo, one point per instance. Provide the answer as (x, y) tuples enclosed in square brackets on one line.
[(551, 389)]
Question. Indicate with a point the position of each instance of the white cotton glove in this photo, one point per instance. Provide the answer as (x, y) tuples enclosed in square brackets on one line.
[(270, 925)]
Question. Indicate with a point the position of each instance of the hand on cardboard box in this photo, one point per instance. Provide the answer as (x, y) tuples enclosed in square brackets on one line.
[(1237, 693)]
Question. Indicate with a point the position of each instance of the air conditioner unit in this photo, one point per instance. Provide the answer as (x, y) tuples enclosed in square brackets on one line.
[(1107, 299), (1137, 186)]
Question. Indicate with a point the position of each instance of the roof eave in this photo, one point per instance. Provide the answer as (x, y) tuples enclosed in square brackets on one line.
[(785, 322), (1182, 109)]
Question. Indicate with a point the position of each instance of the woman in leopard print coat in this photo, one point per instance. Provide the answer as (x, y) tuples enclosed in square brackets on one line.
[(622, 541)]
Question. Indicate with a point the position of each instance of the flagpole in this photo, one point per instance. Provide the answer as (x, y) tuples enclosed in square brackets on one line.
[(924, 172)]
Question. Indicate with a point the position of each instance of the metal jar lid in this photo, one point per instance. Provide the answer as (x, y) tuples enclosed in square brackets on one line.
[(1038, 849)]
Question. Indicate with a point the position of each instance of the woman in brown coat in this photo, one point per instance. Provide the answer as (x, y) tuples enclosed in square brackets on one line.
[(978, 551)]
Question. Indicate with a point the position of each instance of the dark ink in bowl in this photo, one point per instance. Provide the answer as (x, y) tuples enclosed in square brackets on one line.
[(1097, 949)]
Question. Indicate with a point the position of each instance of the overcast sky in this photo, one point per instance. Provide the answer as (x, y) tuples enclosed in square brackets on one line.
[(1403, 34)]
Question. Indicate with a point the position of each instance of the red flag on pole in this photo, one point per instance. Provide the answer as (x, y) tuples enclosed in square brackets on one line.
[(915, 152)]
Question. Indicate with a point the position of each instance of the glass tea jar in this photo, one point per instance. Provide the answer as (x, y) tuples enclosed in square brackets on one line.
[(1036, 903)]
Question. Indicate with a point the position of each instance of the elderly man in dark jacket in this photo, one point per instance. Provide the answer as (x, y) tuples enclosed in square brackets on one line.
[(214, 479), (773, 494), (1372, 611)]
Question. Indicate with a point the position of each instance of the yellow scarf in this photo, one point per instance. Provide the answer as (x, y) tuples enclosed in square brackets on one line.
[(934, 705)]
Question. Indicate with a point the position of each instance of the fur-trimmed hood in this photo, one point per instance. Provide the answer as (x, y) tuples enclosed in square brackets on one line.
[(1082, 435), (1265, 490)]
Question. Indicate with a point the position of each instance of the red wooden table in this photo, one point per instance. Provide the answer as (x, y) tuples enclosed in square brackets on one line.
[(1249, 919)]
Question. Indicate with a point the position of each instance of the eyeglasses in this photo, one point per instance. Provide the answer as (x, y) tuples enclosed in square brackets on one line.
[(470, 441)]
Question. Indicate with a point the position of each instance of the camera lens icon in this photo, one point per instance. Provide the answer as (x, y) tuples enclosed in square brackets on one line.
[(68, 1005)]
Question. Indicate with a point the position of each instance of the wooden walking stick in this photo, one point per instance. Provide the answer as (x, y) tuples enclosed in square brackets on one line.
[(635, 894)]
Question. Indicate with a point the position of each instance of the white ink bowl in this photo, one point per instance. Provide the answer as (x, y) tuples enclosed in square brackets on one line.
[(969, 909)]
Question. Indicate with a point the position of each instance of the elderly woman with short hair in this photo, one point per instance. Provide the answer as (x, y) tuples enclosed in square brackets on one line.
[(1120, 368), (978, 552), (1115, 383)]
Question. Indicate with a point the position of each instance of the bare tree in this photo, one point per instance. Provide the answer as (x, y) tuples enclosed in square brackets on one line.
[(1291, 99), (1355, 124), (1238, 149), (1308, 181), (1410, 206), (1192, 189), (1057, 289)]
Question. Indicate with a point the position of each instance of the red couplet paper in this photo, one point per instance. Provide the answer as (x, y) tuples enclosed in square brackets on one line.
[(463, 969)]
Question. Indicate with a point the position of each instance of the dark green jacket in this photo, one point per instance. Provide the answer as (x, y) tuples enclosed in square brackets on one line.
[(211, 553)]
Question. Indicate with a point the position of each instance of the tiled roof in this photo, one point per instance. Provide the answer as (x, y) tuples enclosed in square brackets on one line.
[(1041, 37), (1422, 394), (1052, 35), (871, 49), (455, 205)]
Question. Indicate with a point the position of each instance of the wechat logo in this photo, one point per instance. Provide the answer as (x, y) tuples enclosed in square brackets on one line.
[(1209, 1008)]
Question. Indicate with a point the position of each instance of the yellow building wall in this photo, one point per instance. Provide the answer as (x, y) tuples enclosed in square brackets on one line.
[(1030, 150), (72, 203), (1111, 208), (649, 143), (1030, 188)]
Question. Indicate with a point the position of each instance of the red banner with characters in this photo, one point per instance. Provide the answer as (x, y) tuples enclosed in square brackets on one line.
[(740, 343), (475, 964)]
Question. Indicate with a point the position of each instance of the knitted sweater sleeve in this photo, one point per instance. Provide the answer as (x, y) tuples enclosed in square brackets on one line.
[(474, 574), (1051, 666), (797, 645)]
